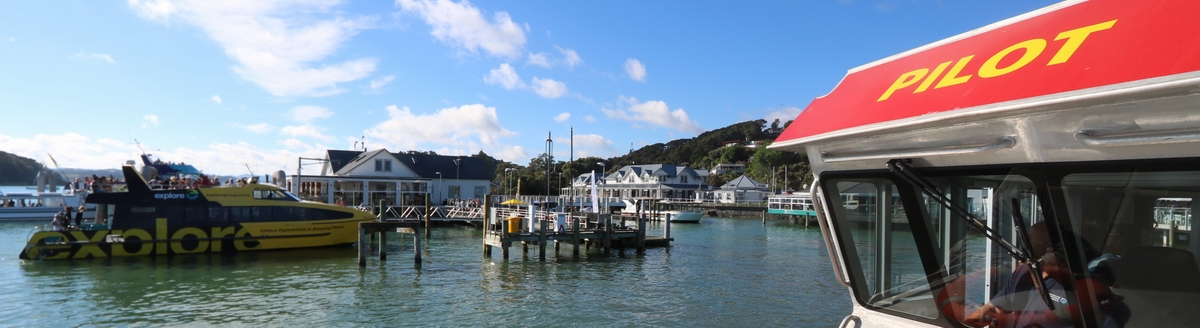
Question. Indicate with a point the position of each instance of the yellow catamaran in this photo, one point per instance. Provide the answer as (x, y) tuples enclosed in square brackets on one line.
[(143, 221)]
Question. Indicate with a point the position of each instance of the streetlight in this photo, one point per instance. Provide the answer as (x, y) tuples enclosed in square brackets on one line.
[(439, 190), (602, 172), (508, 179)]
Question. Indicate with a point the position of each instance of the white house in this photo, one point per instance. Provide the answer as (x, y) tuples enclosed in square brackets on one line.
[(656, 181), (742, 190), (371, 177)]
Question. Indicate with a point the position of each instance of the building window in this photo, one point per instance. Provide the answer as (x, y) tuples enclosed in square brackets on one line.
[(383, 165), (683, 179)]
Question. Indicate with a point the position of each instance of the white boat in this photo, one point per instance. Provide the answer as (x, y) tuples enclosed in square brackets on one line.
[(678, 213), (40, 206)]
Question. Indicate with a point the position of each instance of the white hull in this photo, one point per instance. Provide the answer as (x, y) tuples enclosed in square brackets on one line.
[(52, 203), (676, 215)]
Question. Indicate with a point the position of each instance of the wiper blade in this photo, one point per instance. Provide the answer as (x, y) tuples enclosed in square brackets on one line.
[(901, 169), (1035, 266), (1022, 255)]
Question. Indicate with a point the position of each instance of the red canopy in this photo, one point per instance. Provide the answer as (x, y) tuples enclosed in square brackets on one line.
[(1065, 47)]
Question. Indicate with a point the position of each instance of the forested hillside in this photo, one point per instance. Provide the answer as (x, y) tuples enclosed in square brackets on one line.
[(18, 171)]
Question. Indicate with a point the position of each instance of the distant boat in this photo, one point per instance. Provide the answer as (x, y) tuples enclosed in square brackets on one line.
[(679, 212), (40, 206)]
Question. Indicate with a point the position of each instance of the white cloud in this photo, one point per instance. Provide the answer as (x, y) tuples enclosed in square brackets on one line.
[(548, 88), (261, 128), (562, 117), (217, 99), (310, 113), (277, 45), (539, 59), (305, 130), (570, 57), (589, 118), (149, 121), (593, 145), (73, 150), (467, 126), (514, 154), (463, 25), (783, 114), (654, 112), (12, 39), (635, 69), (94, 56), (380, 82), (505, 76)]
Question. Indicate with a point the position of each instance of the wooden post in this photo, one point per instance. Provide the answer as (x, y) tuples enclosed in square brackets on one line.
[(608, 230), (668, 223), (504, 242), (542, 242), (382, 244), (417, 248), (641, 242), (575, 236), (487, 210), (426, 216), (764, 217), (362, 246)]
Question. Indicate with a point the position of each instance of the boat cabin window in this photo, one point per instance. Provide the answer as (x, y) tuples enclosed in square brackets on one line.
[(274, 195), (1113, 240)]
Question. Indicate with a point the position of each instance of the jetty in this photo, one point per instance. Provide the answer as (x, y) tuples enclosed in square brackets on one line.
[(506, 226)]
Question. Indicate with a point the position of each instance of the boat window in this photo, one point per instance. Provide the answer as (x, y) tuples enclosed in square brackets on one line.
[(195, 214), (217, 214), (239, 214), (910, 254), (274, 195), (1135, 223), (260, 213), (284, 213)]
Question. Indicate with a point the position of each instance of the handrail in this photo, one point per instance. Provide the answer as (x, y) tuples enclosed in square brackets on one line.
[(835, 253), (1004, 142), (1093, 138)]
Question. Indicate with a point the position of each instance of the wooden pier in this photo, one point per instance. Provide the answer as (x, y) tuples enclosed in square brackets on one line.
[(372, 231), (505, 227)]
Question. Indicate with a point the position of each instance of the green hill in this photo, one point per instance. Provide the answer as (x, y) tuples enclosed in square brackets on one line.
[(18, 171)]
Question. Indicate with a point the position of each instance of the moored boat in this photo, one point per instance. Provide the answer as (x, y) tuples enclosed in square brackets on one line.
[(39, 206), (678, 212), (143, 221)]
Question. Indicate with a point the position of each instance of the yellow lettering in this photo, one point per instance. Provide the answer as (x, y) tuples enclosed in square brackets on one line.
[(143, 238), (218, 234), (177, 243), (93, 244), (937, 71), (36, 252), (242, 238), (1075, 38), (904, 81), (1033, 48), (952, 77), (160, 235)]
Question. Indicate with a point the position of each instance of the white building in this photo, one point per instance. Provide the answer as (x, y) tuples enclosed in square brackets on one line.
[(655, 181), (370, 177), (723, 168), (742, 190)]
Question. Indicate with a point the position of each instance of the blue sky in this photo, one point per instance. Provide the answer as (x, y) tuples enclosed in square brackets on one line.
[(230, 84)]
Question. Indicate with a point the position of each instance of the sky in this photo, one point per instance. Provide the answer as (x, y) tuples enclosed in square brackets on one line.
[(238, 87)]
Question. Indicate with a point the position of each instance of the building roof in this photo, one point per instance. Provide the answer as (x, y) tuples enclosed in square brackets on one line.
[(668, 170), (742, 183), (424, 165)]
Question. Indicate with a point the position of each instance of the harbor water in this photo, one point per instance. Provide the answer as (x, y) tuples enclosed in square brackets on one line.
[(722, 272)]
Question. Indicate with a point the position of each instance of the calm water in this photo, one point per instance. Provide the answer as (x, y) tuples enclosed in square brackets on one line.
[(723, 272)]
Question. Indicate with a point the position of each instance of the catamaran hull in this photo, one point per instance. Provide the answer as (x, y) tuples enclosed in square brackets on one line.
[(165, 240)]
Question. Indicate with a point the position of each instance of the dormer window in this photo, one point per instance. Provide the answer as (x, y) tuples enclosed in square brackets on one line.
[(683, 179), (383, 165)]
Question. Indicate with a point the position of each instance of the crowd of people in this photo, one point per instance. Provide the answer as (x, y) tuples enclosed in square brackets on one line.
[(63, 220), (203, 181)]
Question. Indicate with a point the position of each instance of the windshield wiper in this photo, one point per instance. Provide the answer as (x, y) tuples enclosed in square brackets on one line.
[(1021, 254)]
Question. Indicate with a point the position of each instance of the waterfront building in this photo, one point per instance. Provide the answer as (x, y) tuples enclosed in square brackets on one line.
[(370, 177), (654, 181), (742, 190), (724, 168)]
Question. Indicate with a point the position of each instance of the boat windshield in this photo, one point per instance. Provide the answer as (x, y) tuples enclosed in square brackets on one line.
[(1114, 238)]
